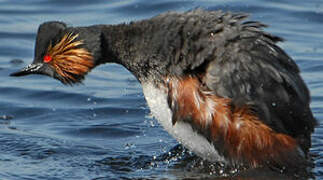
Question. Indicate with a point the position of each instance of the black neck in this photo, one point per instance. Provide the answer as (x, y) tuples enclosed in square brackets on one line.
[(127, 44), (154, 48), (120, 43)]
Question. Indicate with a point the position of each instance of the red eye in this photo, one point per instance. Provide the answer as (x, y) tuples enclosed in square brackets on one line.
[(47, 58)]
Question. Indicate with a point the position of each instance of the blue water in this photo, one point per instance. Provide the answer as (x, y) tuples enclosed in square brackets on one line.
[(103, 129)]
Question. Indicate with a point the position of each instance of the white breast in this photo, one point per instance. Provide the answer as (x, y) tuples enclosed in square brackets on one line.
[(181, 131)]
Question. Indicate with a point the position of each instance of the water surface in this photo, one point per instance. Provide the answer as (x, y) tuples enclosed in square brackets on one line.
[(103, 129)]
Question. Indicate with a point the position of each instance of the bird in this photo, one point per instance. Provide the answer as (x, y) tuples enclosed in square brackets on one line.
[(216, 81)]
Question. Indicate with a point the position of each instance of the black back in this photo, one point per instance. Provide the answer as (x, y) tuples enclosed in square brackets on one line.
[(236, 59)]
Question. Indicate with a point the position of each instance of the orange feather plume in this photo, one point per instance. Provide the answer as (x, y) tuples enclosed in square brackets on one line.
[(69, 60)]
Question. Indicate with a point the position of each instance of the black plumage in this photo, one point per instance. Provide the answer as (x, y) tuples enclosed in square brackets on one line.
[(232, 58), (240, 61)]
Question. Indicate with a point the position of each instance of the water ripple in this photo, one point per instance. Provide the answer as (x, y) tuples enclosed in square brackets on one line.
[(103, 130)]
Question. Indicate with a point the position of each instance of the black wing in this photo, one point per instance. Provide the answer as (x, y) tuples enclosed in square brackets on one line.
[(251, 70)]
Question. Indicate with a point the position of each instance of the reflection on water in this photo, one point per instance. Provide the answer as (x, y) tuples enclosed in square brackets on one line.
[(102, 129)]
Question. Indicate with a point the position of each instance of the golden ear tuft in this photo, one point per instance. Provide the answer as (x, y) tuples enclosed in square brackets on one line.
[(70, 61)]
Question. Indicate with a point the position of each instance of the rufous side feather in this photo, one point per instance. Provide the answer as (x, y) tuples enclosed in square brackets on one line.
[(240, 134)]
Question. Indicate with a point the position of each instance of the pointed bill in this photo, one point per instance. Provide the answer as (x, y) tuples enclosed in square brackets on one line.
[(30, 69)]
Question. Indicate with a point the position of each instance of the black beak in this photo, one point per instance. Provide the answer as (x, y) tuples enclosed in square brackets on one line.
[(30, 69)]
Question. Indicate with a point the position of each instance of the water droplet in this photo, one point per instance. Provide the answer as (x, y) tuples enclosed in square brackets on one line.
[(201, 163), (5, 117), (273, 104), (152, 124), (282, 170), (129, 145), (233, 171), (88, 99)]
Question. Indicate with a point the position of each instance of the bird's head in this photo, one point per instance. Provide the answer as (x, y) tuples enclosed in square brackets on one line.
[(61, 53)]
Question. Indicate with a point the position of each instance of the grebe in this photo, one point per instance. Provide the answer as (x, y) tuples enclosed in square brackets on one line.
[(217, 83)]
